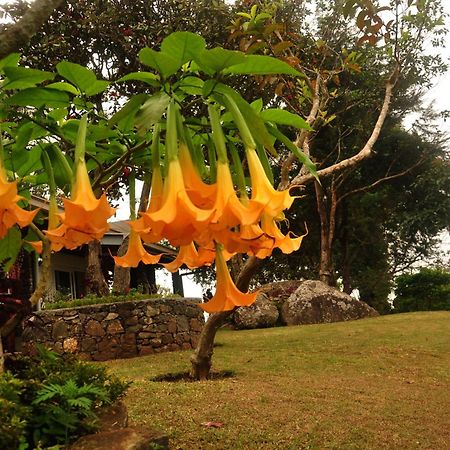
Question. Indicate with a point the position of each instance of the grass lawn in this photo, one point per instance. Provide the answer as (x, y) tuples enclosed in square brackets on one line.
[(368, 384)]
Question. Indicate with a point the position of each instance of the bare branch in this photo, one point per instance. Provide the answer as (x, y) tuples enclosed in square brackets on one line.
[(366, 151)]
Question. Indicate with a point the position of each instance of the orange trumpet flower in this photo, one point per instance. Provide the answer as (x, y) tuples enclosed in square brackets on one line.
[(143, 225), (10, 212), (263, 191), (229, 210), (227, 295), (136, 253), (85, 217), (178, 219), (286, 243), (192, 258), (201, 193)]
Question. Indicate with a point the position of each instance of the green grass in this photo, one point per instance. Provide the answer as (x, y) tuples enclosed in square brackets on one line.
[(369, 384)]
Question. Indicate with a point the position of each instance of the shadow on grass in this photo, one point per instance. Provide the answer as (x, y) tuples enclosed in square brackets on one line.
[(186, 377)]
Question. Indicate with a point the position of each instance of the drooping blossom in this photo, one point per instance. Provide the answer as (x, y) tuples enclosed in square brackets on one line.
[(85, 218), (227, 295), (136, 253), (10, 213)]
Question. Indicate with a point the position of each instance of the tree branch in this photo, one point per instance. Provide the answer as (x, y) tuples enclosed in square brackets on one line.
[(366, 151), (19, 34)]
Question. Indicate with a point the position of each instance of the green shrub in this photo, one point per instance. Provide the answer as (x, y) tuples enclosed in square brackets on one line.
[(426, 290), (49, 400), (94, 300)]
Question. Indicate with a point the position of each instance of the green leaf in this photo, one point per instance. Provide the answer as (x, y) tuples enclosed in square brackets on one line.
[(182, 46), (151, 111), (146, 77), (40, 97), (254, 122), (218, 59), (23, 77), (63, 86), (27, 161), (283, 117), (97, 87), (10, 61), (191, 85), (9, 248), (82, 77), (128, 110), (165, 64), (304, 159), (262, 65)]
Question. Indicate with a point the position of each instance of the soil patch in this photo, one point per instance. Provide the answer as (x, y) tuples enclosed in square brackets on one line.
[(186, 377)]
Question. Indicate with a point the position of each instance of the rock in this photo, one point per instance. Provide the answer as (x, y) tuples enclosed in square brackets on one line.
[(111, 316), (113, 417), (60, 330), (70, 345), (280, 291), (262, 314), (94, 328), (316, 302), (123, 439), (115, 328)]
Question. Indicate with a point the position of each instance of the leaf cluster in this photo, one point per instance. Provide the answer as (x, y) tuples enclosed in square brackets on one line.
[(49, 400)]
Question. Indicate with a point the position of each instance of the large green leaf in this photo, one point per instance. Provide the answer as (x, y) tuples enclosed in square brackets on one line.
[(82, 77), (262, 65), (165, 64), (151, 111), (182, 46), (40, 97), (23, 77), (191, 85), (63, 86), (27, 161), (254, 122), (283, 117), (218, 59), (10, 61), (9, 248), (146, 77), (129, 110)]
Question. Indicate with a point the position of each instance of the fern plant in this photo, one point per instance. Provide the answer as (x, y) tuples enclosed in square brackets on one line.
[(65, 410)]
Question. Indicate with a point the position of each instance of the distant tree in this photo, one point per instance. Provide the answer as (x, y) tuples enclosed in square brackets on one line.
[(426, 290)]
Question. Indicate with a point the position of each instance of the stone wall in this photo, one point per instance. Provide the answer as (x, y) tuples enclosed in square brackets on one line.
[(117, 330)]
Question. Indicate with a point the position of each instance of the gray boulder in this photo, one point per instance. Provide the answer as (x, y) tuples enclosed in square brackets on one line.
[(262, 314), (316, 302)]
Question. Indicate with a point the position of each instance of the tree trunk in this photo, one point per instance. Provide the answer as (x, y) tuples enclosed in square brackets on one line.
[(325, 267), (95, 281), (19, 34), (122, 276), (201, 360)]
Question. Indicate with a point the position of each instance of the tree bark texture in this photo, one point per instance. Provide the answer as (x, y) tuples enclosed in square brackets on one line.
[(19, 34), (122, 276), (95, 281), (201, 360)]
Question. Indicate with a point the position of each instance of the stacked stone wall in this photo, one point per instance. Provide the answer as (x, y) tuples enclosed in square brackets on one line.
[(117, 330)]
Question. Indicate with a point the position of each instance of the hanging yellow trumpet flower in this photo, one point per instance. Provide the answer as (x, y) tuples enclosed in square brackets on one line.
[(85, 217), (136, 253), (10, 212), (227, 295)]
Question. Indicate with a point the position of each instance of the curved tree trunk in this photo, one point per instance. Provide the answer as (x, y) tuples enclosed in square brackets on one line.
[(122, 275), (95, 281), (201, 360)]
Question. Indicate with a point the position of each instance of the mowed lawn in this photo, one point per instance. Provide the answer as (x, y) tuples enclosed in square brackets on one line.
[(368, 384)]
